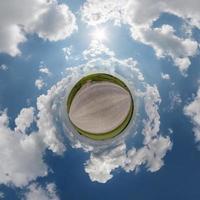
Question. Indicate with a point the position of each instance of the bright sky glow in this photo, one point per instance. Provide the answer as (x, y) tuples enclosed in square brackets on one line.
[(99, 34)]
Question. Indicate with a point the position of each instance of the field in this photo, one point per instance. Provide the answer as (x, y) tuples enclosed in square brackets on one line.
[(95, 78)]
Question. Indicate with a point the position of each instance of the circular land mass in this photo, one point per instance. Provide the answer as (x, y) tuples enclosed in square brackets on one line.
[(100, 106)]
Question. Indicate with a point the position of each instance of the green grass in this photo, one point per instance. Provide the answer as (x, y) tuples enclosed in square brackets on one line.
[(96, 78)]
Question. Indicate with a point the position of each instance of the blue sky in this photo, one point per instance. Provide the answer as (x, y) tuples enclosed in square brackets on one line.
[(45, 46)]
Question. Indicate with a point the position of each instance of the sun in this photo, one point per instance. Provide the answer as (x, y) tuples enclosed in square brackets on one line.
[(99, 34)]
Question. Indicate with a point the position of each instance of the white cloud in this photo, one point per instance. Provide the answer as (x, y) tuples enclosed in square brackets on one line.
[(166, 43), (152, 155), (96, 49), (193, 111), (56, 23), (152, 123), (39, 83), (24, 119), (165, 76), (10, 38), (46, 120), (183, 64), (3, 67), (67, 52), (134, 12), (140, 16), (48, 19), (45, 70), (96, 12), (21, 155), (162, 39), (100, 166), (36, 192)]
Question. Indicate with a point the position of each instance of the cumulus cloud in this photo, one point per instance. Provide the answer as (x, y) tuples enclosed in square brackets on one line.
[(21, 153), (18, 152), (67, 52), (192, 110), (46, 122), (152, 155), (56, 23), (95, 12), (36, 192), (100, 165), (133, 12), (162, 39), (165, 76), (39, 83), (24, 119), (9, 42), (48, 19), (152, 123), (166, 43), (96, 49), (45, 70)]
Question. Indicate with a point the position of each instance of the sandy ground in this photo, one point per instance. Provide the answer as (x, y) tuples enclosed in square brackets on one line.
[(100, 107)]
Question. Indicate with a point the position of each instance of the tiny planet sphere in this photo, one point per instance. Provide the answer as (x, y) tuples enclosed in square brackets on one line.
[(100, 106)]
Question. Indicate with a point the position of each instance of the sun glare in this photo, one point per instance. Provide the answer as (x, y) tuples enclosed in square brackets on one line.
[(99, 34)]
